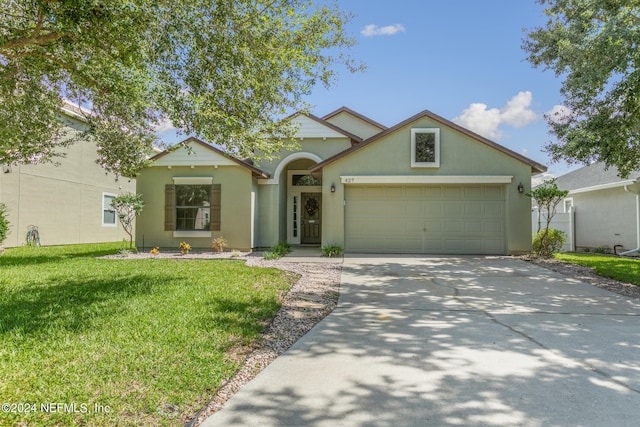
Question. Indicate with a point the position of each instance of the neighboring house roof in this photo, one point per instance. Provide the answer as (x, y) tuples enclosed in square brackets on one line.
[(355, 114), (255, 171), (535, 166), (594, 177)]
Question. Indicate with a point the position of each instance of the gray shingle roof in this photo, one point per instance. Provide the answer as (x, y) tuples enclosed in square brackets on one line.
[(592, 175)]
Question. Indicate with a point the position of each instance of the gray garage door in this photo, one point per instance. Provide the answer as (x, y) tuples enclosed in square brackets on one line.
[(436, 219)]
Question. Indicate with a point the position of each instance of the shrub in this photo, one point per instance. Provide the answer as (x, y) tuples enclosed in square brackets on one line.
[(235, 253), (600, 250), (331, 250), (4, 223), (218, 244), (281, 249), (271, 255), (184, 248), (546, 242), (155, 251)]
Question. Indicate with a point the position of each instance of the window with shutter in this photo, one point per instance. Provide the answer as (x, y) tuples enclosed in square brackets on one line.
[(192, 207)]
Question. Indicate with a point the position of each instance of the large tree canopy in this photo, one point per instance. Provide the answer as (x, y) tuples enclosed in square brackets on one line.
[(226, 71), (595, 46)]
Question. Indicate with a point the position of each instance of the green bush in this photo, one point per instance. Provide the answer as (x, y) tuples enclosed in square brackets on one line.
[(546, 242), (600, 250), (331, 250), (271, 255), (281, 249), (4, 224)]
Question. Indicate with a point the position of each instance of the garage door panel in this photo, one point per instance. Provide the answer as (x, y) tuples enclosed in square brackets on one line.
[(454, 219), (453, 192), (493, 210), (473, 210), (494, 227), (473, 193), (473, 227), (454, 209), (433, 209)]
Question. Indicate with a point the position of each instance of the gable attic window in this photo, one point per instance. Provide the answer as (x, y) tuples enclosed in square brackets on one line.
[(192, 207), (425, 148)]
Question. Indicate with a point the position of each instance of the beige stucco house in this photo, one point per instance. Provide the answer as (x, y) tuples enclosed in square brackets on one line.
[(425, 185), (69, 201)]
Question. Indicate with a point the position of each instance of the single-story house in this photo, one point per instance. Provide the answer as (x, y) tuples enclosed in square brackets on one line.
[(601, 210), (69, 201), (425, 185)]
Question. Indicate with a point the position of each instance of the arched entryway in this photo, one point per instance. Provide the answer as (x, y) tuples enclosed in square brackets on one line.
[(303, 199)]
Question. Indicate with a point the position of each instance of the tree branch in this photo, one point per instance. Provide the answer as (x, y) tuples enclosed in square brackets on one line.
[(35, 38)]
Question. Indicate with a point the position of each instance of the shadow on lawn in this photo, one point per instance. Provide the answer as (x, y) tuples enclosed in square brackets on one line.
[(43, 255), (70, 304)]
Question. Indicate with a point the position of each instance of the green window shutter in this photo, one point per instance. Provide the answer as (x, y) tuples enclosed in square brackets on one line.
[(215, 207), (169, 207)]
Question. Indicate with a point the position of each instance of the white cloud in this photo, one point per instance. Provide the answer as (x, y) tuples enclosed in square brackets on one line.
[(373, 30), (486, 121), (481, 120), (558, 114), (540, 178), (517, 113), (164, 125)]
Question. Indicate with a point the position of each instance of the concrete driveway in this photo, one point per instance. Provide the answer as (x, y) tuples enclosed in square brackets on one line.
[(455, 341)]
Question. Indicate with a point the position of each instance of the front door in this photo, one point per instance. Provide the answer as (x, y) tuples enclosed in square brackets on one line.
[(311, 207)]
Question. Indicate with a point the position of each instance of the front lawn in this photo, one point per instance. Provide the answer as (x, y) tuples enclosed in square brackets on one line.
[(86, 341), (623, 269)]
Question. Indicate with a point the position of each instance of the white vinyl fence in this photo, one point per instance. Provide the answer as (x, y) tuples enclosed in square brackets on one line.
[(563, 221)]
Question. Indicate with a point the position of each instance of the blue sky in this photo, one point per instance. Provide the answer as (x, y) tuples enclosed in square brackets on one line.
[(461, 59)]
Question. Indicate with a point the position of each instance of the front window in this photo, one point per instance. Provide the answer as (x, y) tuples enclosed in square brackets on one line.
[(193, 207), (108, 212), (425, 147)]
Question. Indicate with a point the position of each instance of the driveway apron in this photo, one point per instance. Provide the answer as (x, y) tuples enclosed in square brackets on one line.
[(454, 341)]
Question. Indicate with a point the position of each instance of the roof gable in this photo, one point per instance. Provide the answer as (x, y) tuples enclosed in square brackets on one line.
[(315, 127), (354, 122), (535, 166), (194, 152)]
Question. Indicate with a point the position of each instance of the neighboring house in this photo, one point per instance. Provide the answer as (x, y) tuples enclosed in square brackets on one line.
[(69, 202), (601, 211), (425, 185)]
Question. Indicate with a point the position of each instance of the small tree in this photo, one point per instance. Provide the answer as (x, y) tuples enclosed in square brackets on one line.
[(4, 224), (547, 196), (128, 206)]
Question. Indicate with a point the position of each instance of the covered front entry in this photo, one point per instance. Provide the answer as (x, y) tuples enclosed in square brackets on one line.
[(442, 219), (304, 207)]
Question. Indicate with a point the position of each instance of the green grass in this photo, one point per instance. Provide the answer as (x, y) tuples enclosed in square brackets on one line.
[(152, 339), (623, 269)]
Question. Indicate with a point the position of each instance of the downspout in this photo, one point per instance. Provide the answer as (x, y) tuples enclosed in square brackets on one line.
[(637, 249)]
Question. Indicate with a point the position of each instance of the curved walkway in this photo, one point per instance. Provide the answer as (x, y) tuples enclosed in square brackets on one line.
[(452, 341)]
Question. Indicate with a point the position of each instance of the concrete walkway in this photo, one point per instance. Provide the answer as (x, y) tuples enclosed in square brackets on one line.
[(455, 341)]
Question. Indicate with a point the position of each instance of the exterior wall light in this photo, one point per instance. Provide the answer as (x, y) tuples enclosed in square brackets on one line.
[(520, 188), (333, 188)]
